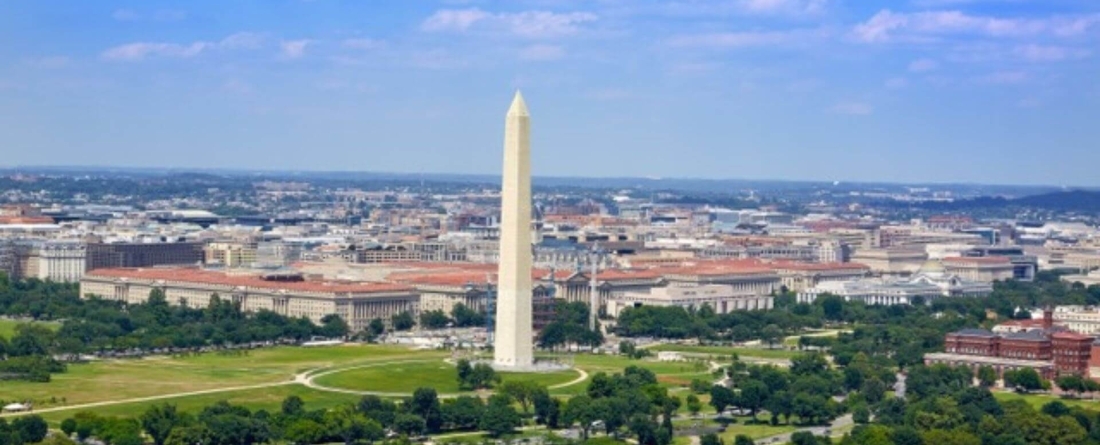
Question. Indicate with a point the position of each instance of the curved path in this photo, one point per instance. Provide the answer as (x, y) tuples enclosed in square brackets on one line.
[(305, 378)]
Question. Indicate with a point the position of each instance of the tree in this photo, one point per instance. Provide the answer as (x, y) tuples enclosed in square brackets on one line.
[(583, 411), (434, 319), (499, 417), (376, 328), (781, 404), (754, 394), (693, 404), (547, 409), (1025, 379), (465, 317), (374, 407), (30, 429), (293, 406), (68, 426), (771, 334), (409, 424), (861, 415), (425, 403), (332, 326), (713, 439), (645, 429), (521, 391), (351, 426), (873, 390), (463, 413), (159, 420), (742, 439), (721, 398), (464, 370), (304, 432), (1055, 409), (987, 376), (952, 437), (403, 321), (803, 438)]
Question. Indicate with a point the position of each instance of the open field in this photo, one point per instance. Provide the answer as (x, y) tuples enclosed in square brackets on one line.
[(7, 326), (775, 354), (407, 377), (134, 378), (269, 399), (1038, 400)]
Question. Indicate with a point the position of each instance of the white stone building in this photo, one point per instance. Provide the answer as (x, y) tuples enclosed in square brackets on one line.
[(722, 298)]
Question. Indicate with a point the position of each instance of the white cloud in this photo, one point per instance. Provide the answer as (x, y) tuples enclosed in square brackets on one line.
[(853, 108), (293, 49), (887, 26), (453, 19), (542, 52), (897, 83), (530, 24), (923, 65), (1049, 53), (142, 50), (784, 6), (362, 44)]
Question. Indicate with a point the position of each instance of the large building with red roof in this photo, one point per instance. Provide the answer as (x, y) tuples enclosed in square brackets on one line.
[(292, 294)]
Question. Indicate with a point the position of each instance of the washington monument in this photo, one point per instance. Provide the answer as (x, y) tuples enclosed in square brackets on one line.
[(512, 348)]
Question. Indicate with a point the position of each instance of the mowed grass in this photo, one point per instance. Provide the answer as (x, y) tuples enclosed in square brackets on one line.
[(134, 378), (726, 351), (742, 426), (269, 399), (7, 326), (1038, 400), (407, 377), (669, 374)]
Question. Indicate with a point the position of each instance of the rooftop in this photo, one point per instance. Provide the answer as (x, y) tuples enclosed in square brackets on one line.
[(191, 275)]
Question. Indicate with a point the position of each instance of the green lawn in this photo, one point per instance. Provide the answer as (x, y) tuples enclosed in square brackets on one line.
[(726, 351), (133, 378), (269, 399), (407, 377), (1038, 400), (7, 326)]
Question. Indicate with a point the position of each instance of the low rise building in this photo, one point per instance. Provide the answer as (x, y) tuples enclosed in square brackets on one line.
[(924, 287), (1051, 351), (290, 294), (988, 269), (722, 298)]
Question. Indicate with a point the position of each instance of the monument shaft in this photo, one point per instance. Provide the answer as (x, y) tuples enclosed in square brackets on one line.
[(513, 341)]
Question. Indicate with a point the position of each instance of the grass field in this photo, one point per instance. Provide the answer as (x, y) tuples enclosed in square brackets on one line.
[(7, 326), (269, 399), (407, 377), (126, 379), (774, 354), (1038, 400)]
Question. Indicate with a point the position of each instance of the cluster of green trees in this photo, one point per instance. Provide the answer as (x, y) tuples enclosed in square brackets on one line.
[(943, 407), (805, 390), (461, 316), (371, 419), (98, 326), (23, 430), (631, 403), (476, 376), (706, 324), (569, 327)]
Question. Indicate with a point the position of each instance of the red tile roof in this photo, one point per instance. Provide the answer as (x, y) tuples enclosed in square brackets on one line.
[(190, 275)]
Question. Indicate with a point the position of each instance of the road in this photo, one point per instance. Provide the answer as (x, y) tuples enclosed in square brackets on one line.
[(841, 422)]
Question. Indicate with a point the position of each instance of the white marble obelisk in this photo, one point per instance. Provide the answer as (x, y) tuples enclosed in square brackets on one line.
[(512, 347)]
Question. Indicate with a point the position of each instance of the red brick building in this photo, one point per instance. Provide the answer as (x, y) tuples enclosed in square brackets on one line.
[(1050, 350)]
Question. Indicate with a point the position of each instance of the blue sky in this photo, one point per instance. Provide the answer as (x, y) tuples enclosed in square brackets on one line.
[(995, 91)]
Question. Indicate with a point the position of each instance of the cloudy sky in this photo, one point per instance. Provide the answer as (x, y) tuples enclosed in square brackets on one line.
[(996, 91)]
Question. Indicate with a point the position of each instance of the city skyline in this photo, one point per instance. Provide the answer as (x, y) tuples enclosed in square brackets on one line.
[(927, 91)]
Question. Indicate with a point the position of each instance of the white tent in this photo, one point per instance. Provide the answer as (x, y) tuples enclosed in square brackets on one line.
[(15, 407)]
